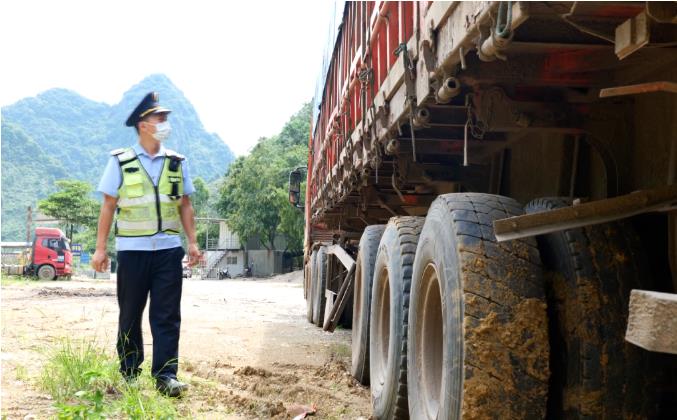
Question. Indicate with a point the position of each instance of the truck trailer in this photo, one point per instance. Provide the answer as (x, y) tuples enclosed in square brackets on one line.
[(490, 203)]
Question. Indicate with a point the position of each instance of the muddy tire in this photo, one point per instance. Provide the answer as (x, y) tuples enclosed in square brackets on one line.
[(306, 271), (478, 339), (319, 286), (590, 272), (46, 272), (364, 275), (310, 282), (389, 317)]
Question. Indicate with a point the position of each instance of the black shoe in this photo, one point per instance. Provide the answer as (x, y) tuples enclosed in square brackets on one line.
[(170, 387)]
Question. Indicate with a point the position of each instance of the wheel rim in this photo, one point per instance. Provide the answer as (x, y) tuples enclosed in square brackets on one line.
[(429, 341), (46, 273), (382, 328)]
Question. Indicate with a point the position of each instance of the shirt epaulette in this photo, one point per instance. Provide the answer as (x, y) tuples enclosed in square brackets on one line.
[(171, 153), (117, 151), (126, 155)]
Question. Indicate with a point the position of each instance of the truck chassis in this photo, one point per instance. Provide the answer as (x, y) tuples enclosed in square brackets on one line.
[(437, 122)]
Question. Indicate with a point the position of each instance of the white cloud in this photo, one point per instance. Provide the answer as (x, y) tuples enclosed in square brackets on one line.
[(245, 66)]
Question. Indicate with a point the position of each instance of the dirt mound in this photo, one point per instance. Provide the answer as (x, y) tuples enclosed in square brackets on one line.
[(251, 371), (79, 292), (336, 370), (293, 277), (281, 391)]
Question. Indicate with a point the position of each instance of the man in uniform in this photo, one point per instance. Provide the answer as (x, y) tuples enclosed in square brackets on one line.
[(148, 186)]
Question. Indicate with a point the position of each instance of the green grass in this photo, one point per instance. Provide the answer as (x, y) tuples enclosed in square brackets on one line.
[(9, 280), (84, 381), (340, 349), (20, 373)]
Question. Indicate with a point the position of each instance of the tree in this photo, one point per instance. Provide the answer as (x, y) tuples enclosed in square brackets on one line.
[(87, 238), (71, 204), (200, 198), (297, 130), (253, 194), (291, 221), (249, 204)]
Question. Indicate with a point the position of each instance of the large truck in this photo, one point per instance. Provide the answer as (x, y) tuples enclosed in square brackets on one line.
[(490, 200), (50, 256)]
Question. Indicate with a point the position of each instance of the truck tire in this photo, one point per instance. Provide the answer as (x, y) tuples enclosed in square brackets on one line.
[(309, 282), (478, 336), (364, 275), (305, 281), (46, 272), (591, 271), (319, 286), (389, 317)]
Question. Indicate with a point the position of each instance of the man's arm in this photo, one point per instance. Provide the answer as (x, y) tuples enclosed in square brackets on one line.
[(188, 222), (100, 258)]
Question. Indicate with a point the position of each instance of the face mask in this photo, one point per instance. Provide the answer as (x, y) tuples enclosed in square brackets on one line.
[(162, 131)]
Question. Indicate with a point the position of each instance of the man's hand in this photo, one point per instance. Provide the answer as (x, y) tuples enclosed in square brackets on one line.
[(188, 221), (100, 261), (194, 255)]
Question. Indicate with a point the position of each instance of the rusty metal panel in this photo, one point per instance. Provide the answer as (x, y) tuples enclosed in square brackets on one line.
[(639, 88), (342, 256), (458, 27), (596, 212), (631, 35)]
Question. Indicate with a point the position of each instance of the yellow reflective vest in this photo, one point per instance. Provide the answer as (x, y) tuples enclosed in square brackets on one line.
[(144, 209)]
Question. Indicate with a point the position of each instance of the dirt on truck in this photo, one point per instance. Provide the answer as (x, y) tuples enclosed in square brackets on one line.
[(490, 204)]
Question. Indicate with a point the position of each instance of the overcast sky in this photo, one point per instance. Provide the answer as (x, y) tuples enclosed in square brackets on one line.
[(245, 66)]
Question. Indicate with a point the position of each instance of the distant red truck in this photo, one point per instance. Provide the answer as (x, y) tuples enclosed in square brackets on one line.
[(51, 255)]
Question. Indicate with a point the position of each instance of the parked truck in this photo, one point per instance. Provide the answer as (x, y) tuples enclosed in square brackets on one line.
[(490, 196), (50, 255)]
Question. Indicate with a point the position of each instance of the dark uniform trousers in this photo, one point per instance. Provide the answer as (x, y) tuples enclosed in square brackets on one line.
[(160, 274)]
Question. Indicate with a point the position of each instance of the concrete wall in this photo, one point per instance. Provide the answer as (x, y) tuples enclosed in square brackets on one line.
[(266, 263), (234, 269), (254, 243)]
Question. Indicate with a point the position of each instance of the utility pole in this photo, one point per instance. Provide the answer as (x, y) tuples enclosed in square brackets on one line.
[(29, 222)]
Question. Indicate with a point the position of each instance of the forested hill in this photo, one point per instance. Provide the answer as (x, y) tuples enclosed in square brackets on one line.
[(60, 134)]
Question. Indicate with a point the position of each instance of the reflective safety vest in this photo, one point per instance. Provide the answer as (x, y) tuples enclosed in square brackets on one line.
[(143, 208)]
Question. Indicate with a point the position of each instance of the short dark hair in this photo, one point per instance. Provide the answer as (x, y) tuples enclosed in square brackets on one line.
[(136, 126)]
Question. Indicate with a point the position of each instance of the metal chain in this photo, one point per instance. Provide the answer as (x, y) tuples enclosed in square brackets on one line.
[(477, 127)]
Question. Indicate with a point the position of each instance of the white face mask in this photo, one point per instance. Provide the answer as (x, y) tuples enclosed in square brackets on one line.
[(162, 131)]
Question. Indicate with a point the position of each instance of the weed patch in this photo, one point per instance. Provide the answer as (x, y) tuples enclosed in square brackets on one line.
[(84, 381)]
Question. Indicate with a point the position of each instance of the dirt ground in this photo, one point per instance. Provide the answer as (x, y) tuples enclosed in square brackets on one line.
[(246, 347)]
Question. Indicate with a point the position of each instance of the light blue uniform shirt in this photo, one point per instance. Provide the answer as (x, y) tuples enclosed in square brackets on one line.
[(111, 182)]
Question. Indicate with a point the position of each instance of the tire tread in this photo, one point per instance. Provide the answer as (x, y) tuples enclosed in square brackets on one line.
[(491, 289)]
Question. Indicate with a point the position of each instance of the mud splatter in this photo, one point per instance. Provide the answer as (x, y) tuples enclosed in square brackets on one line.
[(503, 353)]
